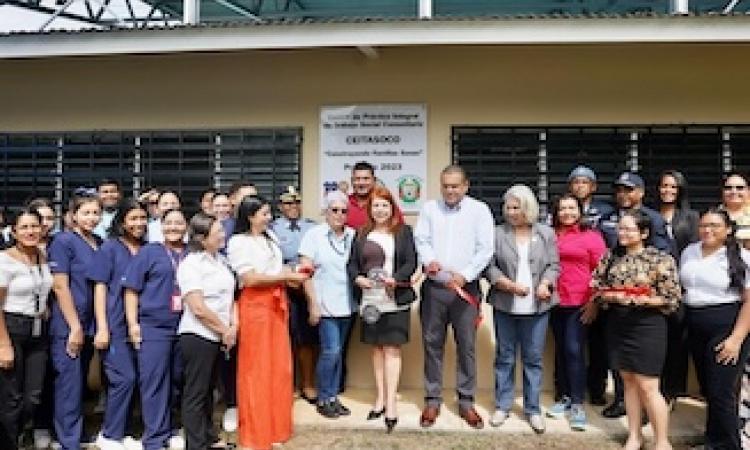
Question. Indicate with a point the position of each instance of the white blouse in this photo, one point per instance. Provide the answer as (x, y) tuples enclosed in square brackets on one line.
[(706, 279), (210, 275), (27, 287), (256, 253)]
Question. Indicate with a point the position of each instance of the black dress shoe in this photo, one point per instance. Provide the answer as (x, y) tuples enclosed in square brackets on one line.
[(328, 409), (615, 410), (372, 415), (342, 410), (390, 424)]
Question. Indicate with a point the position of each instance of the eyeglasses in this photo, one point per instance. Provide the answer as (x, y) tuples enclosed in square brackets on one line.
[(714, 226), (628, 229), (734, 187), (339, 210), (296, 202)]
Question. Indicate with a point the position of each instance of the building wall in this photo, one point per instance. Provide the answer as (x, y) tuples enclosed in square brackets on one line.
[(513, 85)]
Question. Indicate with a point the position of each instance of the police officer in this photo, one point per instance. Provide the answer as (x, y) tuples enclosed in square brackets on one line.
[(582, 184), (290, 228)]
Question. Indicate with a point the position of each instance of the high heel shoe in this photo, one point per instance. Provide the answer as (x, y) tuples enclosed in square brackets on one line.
[(372, 415), (390, 424)]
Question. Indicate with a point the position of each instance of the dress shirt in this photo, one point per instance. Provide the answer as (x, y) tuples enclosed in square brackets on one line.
[(460, 238), (102, 228), (291, 236)]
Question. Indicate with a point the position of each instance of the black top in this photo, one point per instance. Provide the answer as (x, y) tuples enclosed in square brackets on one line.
[(404, 262)]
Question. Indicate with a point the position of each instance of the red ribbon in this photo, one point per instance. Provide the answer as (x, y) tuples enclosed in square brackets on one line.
[(468, 298), (634, 291)]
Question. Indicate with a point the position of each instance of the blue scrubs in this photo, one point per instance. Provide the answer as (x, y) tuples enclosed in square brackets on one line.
[(70, 254), (151, 273), (109, 267)]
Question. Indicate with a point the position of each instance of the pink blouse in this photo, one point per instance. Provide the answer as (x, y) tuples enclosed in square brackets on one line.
[(580, 251)]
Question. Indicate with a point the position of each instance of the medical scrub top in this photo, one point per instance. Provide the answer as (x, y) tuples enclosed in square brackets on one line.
[(152, 273), (109, 266), (70, 254)]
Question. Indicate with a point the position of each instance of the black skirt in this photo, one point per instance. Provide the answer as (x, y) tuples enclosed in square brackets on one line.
[(637, 339), (391, 329)]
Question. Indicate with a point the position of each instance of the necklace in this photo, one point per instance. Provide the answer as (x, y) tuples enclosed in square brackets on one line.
[(340, 251)]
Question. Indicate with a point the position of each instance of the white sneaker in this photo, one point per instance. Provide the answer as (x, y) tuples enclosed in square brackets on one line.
[(498, 418), (108, 444), (177, 442), (229, 422), (42, 439), (132, 443), (537, 423)]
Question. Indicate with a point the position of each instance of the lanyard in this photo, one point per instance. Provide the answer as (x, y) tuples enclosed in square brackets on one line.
[(37, 280), (174, 261)]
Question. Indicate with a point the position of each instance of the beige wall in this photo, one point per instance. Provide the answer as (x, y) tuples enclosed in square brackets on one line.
[(628, 84)]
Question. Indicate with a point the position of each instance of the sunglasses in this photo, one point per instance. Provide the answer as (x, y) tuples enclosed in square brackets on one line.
[(339, 210), (734, 187), (296, 202)]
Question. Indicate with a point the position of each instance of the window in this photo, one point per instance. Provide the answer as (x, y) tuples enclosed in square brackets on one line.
[(187, 161)]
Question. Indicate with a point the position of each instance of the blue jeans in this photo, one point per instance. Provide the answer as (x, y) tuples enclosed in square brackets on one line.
[(333, 332), (570, 363), (528, 332)]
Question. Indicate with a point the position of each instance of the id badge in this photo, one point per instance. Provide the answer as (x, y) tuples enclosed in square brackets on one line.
[(36, 327), (176, 302)]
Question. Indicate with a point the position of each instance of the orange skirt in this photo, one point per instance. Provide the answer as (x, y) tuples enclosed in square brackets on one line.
[(264, 368)]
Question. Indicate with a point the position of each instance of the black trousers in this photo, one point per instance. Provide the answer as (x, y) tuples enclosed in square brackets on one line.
[(199, 357), (598, 367), (21, 385), (719, 383), (673, 381)]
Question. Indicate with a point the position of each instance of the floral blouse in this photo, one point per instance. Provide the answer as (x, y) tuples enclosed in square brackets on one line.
[(651, 267)]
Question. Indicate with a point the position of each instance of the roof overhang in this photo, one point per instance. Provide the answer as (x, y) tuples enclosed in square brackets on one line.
[(378, 33)]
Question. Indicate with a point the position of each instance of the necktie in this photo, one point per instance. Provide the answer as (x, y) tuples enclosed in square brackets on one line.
[(293, 225)]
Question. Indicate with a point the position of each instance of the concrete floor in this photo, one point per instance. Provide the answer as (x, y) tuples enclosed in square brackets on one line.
[(686, 421)]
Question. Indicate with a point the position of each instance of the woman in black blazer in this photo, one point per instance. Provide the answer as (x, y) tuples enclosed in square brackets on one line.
[(387, 245), (682, 229)]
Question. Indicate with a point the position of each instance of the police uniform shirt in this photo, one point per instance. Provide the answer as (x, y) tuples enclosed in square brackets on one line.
[(290, 235)]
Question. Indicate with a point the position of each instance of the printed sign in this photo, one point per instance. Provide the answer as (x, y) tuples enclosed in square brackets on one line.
[(391, 137)]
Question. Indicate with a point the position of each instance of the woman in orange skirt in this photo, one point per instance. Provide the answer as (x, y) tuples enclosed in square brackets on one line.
[(264, 364)]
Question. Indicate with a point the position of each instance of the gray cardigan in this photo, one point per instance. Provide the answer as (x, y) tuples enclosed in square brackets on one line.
[(544, 262)]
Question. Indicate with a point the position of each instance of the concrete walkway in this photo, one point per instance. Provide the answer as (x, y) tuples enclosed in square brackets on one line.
[(686, 421)]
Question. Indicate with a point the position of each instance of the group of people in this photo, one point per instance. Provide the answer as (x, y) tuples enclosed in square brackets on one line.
[(176, 306)]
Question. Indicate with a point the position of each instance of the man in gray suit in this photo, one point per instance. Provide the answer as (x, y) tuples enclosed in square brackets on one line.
[(455, 241)]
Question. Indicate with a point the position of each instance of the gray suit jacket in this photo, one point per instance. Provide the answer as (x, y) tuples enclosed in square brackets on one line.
[(543, 258)]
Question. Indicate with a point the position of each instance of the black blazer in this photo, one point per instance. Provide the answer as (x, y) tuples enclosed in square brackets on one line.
[(684, 229), (404, 261)]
